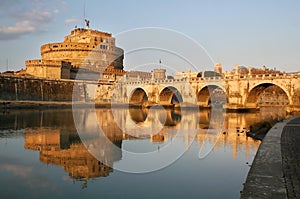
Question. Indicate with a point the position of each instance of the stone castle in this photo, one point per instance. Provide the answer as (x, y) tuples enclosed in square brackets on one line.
[(93, 51)]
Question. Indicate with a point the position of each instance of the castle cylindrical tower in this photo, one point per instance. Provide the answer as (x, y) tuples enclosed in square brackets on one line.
[(86, 48)]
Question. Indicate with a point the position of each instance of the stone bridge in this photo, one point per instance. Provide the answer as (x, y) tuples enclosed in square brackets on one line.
[(240, 92)]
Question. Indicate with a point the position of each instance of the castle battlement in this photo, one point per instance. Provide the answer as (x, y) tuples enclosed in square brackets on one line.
[(38, 62), (82, 48)]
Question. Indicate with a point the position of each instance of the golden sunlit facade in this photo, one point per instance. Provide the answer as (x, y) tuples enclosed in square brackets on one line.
[(84, 48)]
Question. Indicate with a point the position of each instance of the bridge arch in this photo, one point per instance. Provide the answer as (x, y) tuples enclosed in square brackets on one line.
[(170, 96), (211, 95), (138, 97), (254, 92)]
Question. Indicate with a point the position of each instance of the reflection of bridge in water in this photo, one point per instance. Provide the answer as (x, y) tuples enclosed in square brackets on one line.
[(241, 91), (53, 133)]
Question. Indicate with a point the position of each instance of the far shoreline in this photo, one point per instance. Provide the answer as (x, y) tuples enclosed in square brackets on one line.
[(12, 104)]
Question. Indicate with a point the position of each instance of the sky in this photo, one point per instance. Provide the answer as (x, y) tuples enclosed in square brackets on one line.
[(250, 33)]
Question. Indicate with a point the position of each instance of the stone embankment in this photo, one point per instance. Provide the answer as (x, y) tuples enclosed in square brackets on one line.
[(34, 89), (275, 172), (29, 92)]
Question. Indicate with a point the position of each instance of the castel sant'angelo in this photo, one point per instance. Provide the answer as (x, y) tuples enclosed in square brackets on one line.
[(92, 51)]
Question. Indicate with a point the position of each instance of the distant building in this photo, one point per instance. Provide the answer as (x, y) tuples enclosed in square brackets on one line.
[(159, 74), (21, 72), (201, 74), (204, 74), (156, 74), (243, 70), (138, 75), (181, 75), (87, 49), (218, 68)]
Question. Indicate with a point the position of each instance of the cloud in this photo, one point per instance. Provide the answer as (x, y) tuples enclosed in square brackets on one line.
[(63, 3), (71, 20), (31, 17), (19, 29), (37, 16), (56, 11)]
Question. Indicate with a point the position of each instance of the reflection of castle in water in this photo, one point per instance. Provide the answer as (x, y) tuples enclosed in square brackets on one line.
[(54, 135), (67, 150)]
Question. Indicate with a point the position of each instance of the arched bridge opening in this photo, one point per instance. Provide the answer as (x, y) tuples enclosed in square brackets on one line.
[(170, 96), (267, 94), (138, 97), (138, 115), (211, 95)]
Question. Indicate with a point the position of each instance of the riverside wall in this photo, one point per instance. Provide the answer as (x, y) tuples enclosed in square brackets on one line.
[(14, 88), (267, 177)]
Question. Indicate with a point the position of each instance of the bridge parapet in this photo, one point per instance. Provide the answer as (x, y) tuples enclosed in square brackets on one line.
[(155, 81), (205, 79), (194, 79), (227, 77), (263, 76)]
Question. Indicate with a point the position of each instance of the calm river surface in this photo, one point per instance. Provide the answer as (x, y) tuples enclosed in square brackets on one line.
[(45, 154)]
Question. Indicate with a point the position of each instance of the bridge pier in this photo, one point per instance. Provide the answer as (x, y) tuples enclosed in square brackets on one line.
[(240, 108)]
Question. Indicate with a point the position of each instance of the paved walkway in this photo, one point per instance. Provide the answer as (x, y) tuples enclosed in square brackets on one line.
[(275, 172), (290, 149)]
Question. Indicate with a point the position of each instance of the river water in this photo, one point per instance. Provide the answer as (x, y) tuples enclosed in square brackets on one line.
[(126, 153)]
